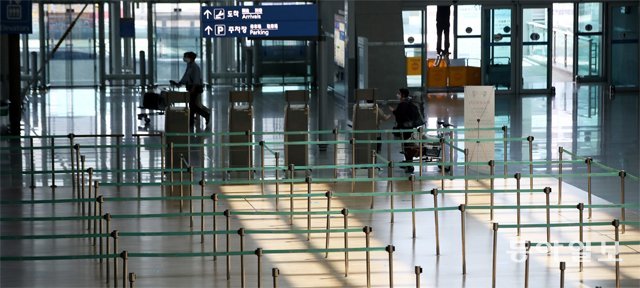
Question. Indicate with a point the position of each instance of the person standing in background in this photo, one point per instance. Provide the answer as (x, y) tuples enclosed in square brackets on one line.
[(192, 79)]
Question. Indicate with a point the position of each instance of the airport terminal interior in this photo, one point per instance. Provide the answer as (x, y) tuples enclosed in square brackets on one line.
[(338, 143)]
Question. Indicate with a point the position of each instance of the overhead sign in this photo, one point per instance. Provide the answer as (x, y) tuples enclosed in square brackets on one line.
[(15, 17), (259, 21)]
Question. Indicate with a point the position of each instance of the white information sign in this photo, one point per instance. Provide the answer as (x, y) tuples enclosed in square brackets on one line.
[(479, 112)]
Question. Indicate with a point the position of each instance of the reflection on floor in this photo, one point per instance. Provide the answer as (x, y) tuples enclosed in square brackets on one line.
[(581, 119)]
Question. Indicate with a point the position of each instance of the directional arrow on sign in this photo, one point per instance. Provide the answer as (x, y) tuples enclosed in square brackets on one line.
[(207, 13), (208, 29)]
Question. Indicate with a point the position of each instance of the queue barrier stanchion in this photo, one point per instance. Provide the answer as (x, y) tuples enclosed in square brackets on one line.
[(335, 153), (107, 220), (132, 279), (53, 166), (73, 167), (466, 172), (367, 231), (277, 155), (214, 239), (390, 185), (114, 236), (138, 161), (527, 248), (190, 171), (227, 215), (100, 201), (308, 181), (412, 180), (274, 274), (181, 181), (560, 152), (580, 231), (420, 149), (616, 225), (495, 248), (171, 166), (492, 166), (202, 183), (530, 140), (518, 176), (418, 271), (504, 148), (328, 194), (622, 174), (118, 160), (241, 233), (261, 143), (562, 268), (259, 254), (443, 166), (434, 192), (547, 191), (373, 175), (352, 141), (33, 167), (588, 161), (83, 204), (390, 249), (125, 257), (93, 194), (291, 176), (463, 238), (345, 216)]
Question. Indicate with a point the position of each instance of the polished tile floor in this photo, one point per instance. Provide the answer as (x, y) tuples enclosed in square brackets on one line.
[(582, 119)]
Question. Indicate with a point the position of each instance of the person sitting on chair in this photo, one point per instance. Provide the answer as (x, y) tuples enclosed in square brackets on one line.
[(192, 79)]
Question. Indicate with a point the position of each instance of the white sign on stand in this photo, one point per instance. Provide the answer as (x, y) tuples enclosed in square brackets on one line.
[(479, 112)]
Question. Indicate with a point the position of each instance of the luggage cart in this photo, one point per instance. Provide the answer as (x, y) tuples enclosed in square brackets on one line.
[(296, 118)]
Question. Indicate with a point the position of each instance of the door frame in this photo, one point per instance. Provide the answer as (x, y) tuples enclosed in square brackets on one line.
[(485, 40)]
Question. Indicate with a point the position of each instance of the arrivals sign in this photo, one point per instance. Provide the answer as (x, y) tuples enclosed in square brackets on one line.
[(259, 21)]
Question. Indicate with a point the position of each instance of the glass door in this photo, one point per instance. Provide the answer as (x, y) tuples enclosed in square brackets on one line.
[(177, 31), (624, 44), (588, 41), (534, 61), (497, 55), (74, 63), (468, 36)]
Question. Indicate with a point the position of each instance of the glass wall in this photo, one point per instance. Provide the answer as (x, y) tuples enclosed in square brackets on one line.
[(469, 37), (624, 45), (589, 40), (535, 46), (412, 35), (497, 48), (562, 49)]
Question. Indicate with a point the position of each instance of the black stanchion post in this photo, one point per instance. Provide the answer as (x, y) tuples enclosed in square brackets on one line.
[(562, 267), (291, 175), (463, 238), (73, 167), (53, 165), (138, 161), (418, 271), (227, 215), (580, 227), (527, 247), (518, 177), (547, 191), (328, 225), (241, 233), (308, 181), (367, 231), (277, 181), (495, 253), (492, 166), (443, 166), (214, 197), (114, 236), (119, 160), (420, 145), (335, 153), (623, 215), (352, 141), (171, 166), (275, 273), (434, 192), (345, 216), (504, 149), (93, 211), (259, 255), (588, 162), (466, 172), (163, 163), (202, 208), (83, 204), (373, 176), (132, 279), (125, 257), (33, 167), (107, 219), (261, 143), (181, 180), (530, 140), (616, 225), (190, 171), (390, 184), (412, 180), (100, 200), (390, 249), (77, 149), (560, 151)]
